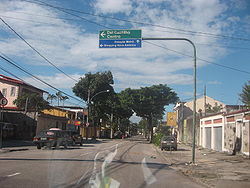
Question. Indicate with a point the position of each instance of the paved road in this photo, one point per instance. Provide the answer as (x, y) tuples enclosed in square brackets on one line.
[(118, 163)]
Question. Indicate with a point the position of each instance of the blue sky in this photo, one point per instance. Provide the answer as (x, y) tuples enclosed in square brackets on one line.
[(71, 43)]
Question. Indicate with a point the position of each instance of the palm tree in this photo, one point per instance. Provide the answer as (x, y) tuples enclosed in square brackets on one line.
[(59, 96), (51, 97), (245, 95), (64, 98)]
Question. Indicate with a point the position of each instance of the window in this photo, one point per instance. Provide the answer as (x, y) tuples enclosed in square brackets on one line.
[(4, 92), (13, 91)]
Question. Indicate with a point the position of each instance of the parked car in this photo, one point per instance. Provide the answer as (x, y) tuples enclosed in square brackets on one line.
[(118, 134), (76, 138), (168, 142), (52, 138)]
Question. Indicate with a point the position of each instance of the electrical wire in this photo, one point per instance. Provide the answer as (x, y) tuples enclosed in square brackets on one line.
[(137, 22), (12, 63), (183, 54), (10, 73), (120, 26), (36, 50)]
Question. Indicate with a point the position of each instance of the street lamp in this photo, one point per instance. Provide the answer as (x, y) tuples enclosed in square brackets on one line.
[(88, 106)]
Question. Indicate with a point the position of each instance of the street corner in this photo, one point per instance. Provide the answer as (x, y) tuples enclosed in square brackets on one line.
[(6, 150)]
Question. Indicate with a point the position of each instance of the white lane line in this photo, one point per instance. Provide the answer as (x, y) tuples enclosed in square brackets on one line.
[(94, 180), (11, 175), (86, 153), (148, 176), (108, 160)]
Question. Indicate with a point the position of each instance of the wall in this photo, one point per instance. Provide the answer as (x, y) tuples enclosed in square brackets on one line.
[(200, 103), (9, 97), (47, 121), (237, 133), (212, 127)]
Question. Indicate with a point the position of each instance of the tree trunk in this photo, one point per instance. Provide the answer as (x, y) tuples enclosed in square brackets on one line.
[(150, 127)]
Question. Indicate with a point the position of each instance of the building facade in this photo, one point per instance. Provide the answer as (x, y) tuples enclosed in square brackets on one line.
[(227, 132), (12, 88)]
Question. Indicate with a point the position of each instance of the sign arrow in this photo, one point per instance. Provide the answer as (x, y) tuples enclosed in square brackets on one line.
[(102, 34)]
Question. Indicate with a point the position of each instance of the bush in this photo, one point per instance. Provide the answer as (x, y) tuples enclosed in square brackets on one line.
[(157, 139)]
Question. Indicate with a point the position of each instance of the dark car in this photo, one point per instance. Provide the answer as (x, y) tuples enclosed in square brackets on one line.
[(52, 138), (76, 138), (118, 134), (169, 142)]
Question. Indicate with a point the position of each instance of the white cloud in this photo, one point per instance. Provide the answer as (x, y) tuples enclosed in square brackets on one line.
[(113, 6), (214, 82), (70, 45)]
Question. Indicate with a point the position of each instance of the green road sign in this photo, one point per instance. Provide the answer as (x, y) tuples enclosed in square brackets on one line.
[(120, 34)]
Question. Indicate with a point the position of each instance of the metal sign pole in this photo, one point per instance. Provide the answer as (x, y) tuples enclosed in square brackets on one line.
[(194, 97)]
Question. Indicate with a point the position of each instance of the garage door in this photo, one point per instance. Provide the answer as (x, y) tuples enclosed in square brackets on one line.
[(218, 138), (208, 137)]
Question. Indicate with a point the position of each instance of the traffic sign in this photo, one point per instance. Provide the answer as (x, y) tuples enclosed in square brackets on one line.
[(124, 43), (120, 38), (120, 34), (3, 101)]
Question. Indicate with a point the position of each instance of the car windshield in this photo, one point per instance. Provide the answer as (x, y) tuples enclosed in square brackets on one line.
[(46, 133), (168, 139), (124, 93)]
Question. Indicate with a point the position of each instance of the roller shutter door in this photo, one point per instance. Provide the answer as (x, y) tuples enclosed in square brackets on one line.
[(218, 138)]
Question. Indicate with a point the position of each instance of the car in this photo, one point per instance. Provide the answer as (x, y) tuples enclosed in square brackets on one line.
[(168, 142), (52, 138), (118, 134), (75, 137)]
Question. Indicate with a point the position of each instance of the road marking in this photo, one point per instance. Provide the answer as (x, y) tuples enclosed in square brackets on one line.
[(108, 160), (11, 175), (95, 181), (148, 176)]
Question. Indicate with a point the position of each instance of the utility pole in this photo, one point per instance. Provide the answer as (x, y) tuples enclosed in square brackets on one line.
[(194, 85), (205, 101)]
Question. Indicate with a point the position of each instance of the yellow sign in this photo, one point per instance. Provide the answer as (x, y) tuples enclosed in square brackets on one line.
[(171, 119)]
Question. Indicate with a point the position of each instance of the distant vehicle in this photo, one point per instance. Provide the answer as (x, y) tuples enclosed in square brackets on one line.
[(168, 142), (76, 138), (118, 134), (52, 138)]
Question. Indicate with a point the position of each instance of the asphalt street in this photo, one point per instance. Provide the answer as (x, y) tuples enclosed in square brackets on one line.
[(109, 163)]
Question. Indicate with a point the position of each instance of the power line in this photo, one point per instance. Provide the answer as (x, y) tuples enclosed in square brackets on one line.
[(36, 50), (14, 64), (203, 44), (224, 66), (10, 73), (138, 22)]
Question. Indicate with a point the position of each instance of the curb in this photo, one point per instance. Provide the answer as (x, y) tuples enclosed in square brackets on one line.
[(180, 171), (13, 150)]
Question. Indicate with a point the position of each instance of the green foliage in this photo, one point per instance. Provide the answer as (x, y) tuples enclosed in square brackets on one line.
[(150, 101), (35, 102), (214, 109), (157, 139), (245, 94), (91, 84)]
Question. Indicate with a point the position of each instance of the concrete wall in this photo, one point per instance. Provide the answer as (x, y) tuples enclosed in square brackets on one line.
[(216, 125), (237, 133), (200, 103), (11, 93), (46, 122)]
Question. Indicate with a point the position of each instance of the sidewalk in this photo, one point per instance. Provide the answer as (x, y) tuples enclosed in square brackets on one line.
[(15, 145), (212, 169)]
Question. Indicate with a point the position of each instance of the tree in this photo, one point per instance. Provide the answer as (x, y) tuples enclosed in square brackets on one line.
[(215, 109), (59, 97), (149, 102), (89, 86), (245, 95), (31, 101), (51, 97), (64, 98)]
